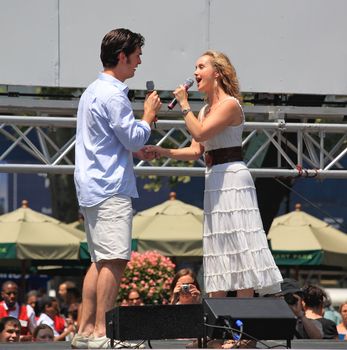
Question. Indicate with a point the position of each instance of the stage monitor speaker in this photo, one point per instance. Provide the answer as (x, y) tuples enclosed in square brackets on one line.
[(262, 318), (150, 322)]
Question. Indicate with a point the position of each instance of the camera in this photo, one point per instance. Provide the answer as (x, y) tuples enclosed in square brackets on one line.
[(185, 288), (290, 299)]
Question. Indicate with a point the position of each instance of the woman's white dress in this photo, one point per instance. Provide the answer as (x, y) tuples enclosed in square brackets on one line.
[(236, 252)]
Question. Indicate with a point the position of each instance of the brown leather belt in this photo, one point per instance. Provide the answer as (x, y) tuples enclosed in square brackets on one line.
[(223, 155)]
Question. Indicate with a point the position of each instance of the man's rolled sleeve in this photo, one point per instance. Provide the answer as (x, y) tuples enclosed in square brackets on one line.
[(132, 133)]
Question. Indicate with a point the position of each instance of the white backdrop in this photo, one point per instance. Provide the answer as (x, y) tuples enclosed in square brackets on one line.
[(277, 46)]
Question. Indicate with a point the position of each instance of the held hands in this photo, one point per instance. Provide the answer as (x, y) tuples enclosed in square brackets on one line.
[(143, 154), (151, 107), (155, 151)]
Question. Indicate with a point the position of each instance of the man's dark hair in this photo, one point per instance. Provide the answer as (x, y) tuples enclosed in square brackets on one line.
[(313, 296), (117, 41), (8, 319), (45, 301)]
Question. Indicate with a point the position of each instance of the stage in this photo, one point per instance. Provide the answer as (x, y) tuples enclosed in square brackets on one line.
[(180, 344)]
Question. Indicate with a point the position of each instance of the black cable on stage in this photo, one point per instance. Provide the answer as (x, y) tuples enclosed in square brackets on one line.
[(231, 329), (149, 344)]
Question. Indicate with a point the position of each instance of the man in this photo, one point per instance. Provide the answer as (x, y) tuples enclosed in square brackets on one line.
[(314, 310), (9, 306), (293, 295), (9, 330), (107, 135)]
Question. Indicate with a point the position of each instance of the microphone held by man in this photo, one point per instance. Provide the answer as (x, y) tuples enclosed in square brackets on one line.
[(150, 89)]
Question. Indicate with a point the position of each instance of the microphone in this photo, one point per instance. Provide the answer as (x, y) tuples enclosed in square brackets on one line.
[(150, 89), (187, 84), (149, 86)]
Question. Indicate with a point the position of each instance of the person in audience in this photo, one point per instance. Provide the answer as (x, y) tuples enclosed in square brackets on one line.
[(185, 288), (342, 327), (31, 299), (10, 306), (293, 294), (50, 316), (134, 298), (10, 329), (329, 312), (74, 314), (313, 299), (63, 295), (43, 333)]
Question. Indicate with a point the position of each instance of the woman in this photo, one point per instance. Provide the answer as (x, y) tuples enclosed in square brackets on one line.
[(342, 327), (236, 253), (185, 288)]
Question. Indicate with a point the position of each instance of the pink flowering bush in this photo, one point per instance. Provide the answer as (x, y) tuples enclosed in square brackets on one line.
[(151, 274)]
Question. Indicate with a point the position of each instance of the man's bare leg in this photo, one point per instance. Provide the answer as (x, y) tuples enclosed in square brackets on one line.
[(110, 275), (87, 323)]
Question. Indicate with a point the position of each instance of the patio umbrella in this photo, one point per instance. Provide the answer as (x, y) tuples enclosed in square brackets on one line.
[(298, 238), (29, 235), (173, 228)]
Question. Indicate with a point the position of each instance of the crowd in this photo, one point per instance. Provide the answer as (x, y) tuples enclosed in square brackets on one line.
[(39, 317), (42, 318)]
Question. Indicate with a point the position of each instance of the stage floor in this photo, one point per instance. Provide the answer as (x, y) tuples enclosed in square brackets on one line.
[(180, 344)]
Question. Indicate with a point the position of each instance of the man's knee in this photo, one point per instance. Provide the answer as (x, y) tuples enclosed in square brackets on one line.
[(114, 264)]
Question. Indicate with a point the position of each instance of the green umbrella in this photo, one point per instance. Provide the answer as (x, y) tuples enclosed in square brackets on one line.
[(173, 228), (298, 238), (29, 235)]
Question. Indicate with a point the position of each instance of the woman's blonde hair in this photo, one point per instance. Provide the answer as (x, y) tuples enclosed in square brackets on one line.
[(227, 72)]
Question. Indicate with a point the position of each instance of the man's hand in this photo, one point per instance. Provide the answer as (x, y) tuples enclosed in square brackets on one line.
[(144, 154)]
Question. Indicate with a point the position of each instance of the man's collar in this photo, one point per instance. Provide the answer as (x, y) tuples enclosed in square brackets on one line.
[(114, 81)]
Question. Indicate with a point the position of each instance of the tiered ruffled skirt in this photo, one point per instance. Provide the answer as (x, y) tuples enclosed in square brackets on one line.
[(236, 252)]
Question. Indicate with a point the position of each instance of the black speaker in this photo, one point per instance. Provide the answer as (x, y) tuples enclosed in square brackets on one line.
[(150, 322), (261, 318)]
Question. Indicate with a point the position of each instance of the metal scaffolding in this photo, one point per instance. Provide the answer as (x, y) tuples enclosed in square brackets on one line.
[(315, 153)]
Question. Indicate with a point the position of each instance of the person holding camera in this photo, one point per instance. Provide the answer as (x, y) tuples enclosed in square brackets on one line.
[(314, 304), (293, 294), (185, 288)]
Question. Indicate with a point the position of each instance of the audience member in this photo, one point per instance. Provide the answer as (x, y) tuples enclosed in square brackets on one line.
[(50, 316), (342, 327), (185, 288), (43, 333), (9, 306), (329, 312), (74, 314), (63, 295), (134, 298), (313, 305), (293, 294), (10, 329), (31, 299)]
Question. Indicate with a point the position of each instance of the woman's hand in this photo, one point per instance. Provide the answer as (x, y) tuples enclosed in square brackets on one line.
[(177, 288), (195, 293), (157, 151), (181, 96)]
